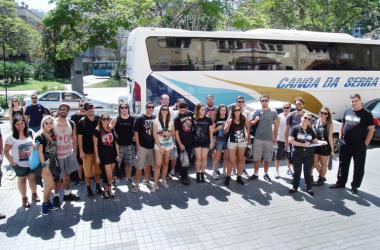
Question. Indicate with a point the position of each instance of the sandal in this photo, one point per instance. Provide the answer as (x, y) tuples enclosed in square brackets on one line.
[(25, 202)]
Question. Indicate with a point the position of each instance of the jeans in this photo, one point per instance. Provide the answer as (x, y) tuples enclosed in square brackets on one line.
[(358, 153), (303, 159)]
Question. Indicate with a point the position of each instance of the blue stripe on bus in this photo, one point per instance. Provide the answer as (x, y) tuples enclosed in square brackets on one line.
[(225, 96)]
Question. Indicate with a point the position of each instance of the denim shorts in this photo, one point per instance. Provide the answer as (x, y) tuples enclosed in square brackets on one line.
[(220, 144)]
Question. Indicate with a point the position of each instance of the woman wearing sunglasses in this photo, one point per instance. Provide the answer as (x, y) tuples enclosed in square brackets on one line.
[(106, 152), (237, 130), (15, 108), (301, 137), (163, 132), (202, 140), (323, 128)]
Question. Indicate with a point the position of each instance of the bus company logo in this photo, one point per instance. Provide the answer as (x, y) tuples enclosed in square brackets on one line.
[(329, 82)]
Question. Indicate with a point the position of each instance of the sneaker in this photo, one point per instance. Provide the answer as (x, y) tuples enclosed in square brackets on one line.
[(203, 179), (56, 202), (136, 188), (217, 172), (52, 207), (289, 172), (292, 190), (129, 184), (240, 180), (154, 189), (112, 195), (185, 182), (147, 183), (267, 178), (45, 208), (165, 184), (172, 172), (71, 197), (114, 183), (245, 173), (253, 177), (354, 190), (277, 175), (310, 192), (98, 191), (106, 195), (215, 175), (335, 186)]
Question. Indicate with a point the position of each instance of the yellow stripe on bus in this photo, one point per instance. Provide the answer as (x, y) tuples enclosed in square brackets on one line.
[(286, 95)]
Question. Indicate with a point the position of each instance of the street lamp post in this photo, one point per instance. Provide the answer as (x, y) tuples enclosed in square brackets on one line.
[(4, 70)]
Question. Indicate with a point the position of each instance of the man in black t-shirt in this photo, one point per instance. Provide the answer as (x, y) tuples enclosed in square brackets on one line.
[(183, 124), (86, 127), (143, 131), (356, 134)]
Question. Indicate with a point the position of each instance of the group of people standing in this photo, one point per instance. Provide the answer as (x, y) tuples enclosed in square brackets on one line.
[(95, 146)]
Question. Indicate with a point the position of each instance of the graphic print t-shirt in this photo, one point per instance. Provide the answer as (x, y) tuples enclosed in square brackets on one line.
[(106, 141), (183, 124), (220, 122), (356, 126), (201, 132), (21, 150), (165, 141), (144, 127), (237, 133), (302, 135)]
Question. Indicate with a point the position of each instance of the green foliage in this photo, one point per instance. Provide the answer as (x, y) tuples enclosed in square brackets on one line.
[(3, 102), (16, 72), (43, 71)]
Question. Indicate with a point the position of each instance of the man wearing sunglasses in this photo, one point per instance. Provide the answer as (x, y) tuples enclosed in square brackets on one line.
[(240, 101), (281, 153), (267, 123), (66, 138), (86, 127), (356, 134), (35, 112), (143, 131)]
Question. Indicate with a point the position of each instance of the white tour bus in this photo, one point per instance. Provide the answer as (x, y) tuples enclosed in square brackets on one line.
[(323, 68)]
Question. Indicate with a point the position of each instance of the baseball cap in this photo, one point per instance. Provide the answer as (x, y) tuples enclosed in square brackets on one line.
[(64, 104)]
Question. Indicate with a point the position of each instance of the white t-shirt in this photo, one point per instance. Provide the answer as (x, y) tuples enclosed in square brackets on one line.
[(282, 127), (21, 150), (165, 142)]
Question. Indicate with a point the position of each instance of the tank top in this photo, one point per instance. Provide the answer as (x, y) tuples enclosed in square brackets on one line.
[(237, 133), (123, 129), (18, 112), (63, 135)]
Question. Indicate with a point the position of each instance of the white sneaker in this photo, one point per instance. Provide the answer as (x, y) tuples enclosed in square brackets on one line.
[(277, 175), (172, 172), (290, 172), (136, 188), (147, 183), (215, 176), (165, 184)]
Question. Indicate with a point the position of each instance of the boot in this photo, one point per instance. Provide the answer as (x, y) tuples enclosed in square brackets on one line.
[(227, 181), (203, 177), (240, 180), (198, 177)]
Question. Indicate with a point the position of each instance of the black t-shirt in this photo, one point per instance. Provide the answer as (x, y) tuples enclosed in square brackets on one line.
[(86, 128), (201, 131), (355, 126), (124, 130), (144, 127), (220, 122), (35, 112), (294, 119), (237, 132), (76, 118), (183, 124), (48, 146), (301, 135), (106, 143)]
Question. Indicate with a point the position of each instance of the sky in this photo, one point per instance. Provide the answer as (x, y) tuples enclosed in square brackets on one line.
[(38, 4)]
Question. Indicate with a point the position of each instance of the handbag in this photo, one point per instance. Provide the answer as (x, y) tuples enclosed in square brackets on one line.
[(34, 158), (184, 158)]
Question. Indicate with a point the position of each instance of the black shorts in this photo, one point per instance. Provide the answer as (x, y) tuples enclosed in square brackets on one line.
[(22, 171), (323, 150), (201, 144)]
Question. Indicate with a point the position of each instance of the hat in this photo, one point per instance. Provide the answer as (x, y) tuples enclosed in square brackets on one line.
[(182, 104), (64, 104), (87, 105)]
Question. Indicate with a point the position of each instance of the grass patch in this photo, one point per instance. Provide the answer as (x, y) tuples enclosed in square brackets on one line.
[(37, 85), (110, 83)]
